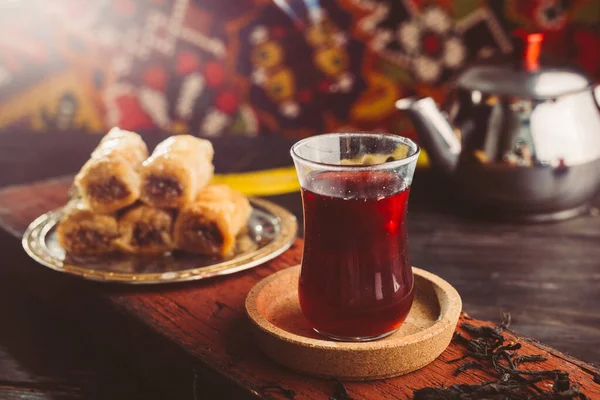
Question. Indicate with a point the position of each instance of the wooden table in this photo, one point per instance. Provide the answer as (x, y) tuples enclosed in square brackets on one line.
[(546, 275), (194, 337)]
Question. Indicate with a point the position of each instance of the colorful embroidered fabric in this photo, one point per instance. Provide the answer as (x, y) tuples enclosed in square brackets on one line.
[(242, 67)]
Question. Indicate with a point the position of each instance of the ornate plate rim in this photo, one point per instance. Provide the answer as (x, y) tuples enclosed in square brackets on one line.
[(287, 234)]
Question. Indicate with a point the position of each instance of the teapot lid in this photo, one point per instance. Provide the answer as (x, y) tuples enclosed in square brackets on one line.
[(526, 78), (506, 80)]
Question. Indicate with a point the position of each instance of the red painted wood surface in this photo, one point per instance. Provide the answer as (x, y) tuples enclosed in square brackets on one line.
[(195, 338)]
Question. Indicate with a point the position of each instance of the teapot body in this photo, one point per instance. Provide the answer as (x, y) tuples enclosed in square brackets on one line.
[(529, 158)]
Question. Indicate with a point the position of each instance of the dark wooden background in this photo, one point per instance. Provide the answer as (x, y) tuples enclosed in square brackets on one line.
[(547, 276)]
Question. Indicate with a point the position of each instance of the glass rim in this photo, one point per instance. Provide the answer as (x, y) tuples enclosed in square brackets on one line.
[(341, 167)]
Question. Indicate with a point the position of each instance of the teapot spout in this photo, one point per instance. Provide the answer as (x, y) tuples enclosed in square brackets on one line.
[(436, 133)]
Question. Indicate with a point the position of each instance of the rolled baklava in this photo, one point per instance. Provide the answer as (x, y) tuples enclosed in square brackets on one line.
[(83, 232), (178, 169), (210, 225), (145, 230), (110, 180)]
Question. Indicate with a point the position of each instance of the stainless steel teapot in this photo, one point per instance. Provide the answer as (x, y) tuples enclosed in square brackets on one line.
[(519, 139)]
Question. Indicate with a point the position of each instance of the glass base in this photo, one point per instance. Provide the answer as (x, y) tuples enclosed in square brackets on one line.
[(354, 338)]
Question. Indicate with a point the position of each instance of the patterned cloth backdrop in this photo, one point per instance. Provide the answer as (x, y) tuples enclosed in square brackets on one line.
[(240, 67)]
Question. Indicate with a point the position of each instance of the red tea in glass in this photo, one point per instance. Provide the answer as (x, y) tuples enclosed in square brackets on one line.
[(356, 282)]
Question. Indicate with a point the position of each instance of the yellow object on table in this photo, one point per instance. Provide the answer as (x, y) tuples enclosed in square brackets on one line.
[(268, 182), (272, 182)]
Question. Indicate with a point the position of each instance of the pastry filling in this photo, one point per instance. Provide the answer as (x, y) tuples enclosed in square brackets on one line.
[(90, 239), (108, 190), (211, 238), (204, 237), (163, 187), (144, 234)]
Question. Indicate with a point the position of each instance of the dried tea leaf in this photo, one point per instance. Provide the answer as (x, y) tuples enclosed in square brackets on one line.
[(286, 392), (513, 383), (466, 366), (340, 392), (528, 358)]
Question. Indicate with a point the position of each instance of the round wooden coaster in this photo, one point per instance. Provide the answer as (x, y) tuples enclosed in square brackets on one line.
[(284, 334)]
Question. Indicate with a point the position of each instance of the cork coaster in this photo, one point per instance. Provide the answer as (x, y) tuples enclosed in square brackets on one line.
[(284, 335)]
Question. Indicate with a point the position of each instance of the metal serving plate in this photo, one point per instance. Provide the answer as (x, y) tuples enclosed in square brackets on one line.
[(271, 231)]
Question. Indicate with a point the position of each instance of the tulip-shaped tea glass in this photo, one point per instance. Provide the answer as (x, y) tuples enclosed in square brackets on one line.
[(356, 282)]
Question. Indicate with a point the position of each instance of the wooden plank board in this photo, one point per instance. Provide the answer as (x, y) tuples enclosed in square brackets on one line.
[(195, 336)]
